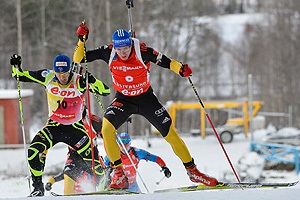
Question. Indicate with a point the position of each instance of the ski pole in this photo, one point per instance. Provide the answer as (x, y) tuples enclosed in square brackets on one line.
[(22, 179), (89, 109), (23, 127), (129, 4), (158, 182), (131, 161), (213, 127), (127, 154)]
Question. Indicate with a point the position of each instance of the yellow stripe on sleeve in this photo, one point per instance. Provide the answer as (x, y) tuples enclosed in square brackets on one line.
[(175, 66)]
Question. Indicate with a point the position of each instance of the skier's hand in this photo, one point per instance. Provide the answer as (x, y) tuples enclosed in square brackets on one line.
[(90, 76), (82, 31), (132, 33), (49, 183), (48, 186), (166, 171), (77, 68), (15, 60), (185, 70)]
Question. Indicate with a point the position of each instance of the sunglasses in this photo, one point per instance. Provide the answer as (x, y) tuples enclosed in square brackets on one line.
[(62, 74)]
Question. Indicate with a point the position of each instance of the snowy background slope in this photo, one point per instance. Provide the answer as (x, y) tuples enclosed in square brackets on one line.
[(208, 156)]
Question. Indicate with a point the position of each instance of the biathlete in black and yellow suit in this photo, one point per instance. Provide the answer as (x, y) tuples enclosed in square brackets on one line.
[(129, 63), (65, 94), (76, 167)]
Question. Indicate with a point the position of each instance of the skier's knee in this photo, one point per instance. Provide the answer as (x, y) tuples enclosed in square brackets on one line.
[(33, 152)]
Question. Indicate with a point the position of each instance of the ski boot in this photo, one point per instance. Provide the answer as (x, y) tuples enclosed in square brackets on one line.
[(38, 185), (197, 177), (119, 180)]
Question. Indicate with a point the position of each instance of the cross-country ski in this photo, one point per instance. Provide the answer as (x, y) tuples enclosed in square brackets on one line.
[(222, 186)]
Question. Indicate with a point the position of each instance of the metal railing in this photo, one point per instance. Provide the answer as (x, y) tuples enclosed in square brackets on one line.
[(278, 153)]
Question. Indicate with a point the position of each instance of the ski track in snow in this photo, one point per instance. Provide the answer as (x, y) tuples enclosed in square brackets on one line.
[(208, 156)]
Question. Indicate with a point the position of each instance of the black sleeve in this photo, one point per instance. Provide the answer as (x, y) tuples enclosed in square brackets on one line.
[(33, 76), (100, 53), (59, 177), (151, 55)]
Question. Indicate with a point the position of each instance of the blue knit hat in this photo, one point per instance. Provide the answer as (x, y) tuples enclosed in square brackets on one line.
[(125, 138), (121, 38), (61, 63)]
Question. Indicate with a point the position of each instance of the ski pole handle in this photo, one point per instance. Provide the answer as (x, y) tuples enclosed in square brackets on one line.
[(129, 3)]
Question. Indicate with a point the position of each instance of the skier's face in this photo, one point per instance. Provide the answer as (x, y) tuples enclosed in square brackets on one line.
[(63, 77), (127, 146), (124, 52)]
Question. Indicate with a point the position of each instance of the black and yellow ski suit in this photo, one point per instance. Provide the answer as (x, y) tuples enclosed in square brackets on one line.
[(65, 124)]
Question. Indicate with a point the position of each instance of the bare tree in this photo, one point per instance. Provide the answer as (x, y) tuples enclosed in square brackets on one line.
[(273, 58), (268, 50)]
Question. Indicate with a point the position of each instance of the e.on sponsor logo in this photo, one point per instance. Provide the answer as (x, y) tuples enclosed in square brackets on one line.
[(63, 93)]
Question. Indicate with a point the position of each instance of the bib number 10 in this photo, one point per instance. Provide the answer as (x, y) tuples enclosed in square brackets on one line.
[(62, 104)]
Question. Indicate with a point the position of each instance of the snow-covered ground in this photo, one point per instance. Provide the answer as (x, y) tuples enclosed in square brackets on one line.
[(207, 153)]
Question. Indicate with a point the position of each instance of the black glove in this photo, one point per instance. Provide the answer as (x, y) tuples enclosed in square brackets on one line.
[(48, 186), (91, 78), (166, 171), (15, 60)]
